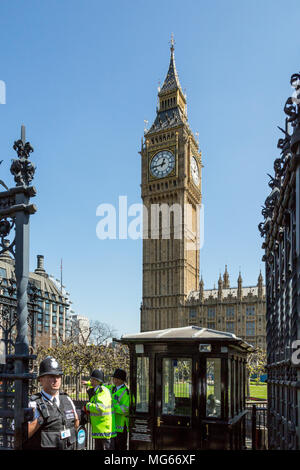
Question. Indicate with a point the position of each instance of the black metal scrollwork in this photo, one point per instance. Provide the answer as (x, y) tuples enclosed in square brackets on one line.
[(280, 229), (22, 169)]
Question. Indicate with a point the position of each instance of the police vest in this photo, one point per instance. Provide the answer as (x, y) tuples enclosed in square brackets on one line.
[(101, 414), (53, 421), (121, 402)]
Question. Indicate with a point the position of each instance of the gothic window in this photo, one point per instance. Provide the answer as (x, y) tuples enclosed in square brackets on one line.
[(211, 325), (229, 312), (211, 312), (250, 310), (250, 328), (192, 314)]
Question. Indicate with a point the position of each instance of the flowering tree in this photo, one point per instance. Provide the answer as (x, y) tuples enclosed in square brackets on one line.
[(85, 351)]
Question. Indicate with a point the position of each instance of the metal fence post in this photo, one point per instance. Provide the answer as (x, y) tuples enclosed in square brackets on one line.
[(253, 423), (15, 210)]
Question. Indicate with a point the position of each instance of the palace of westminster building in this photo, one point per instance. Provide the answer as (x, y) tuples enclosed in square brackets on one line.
[(173, 296)]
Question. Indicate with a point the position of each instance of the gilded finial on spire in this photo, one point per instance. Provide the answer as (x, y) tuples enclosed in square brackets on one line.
[(172, 42)]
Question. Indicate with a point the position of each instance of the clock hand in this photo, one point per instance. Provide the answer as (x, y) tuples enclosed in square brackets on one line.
[(156, 166), (159, 164)]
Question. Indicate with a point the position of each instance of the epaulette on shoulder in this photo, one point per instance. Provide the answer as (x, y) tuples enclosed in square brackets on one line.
[(36, 396)]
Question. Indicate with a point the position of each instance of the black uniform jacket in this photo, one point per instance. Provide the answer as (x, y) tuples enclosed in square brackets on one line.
[(53, 421)]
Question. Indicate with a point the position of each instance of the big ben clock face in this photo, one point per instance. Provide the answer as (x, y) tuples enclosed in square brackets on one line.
[(162, 164), (195, 171)]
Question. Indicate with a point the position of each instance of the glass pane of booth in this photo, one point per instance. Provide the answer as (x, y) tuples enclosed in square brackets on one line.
[(229, 388), (142, 384), (233, 392), (213, 387), (177, 387)]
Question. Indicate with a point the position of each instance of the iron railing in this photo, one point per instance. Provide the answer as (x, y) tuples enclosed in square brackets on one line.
[(281, 232), (256, 425)]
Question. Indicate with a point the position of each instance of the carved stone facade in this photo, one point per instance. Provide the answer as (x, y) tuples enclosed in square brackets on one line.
[(240, 310)]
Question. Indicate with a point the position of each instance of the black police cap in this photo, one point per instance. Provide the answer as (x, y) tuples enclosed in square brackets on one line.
[(120, 374), (98, 375), (50, 366)]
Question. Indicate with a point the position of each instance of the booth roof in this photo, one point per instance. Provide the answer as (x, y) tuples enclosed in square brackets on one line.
[(186, 333)]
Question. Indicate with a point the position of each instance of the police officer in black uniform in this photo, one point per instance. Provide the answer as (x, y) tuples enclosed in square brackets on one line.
[(55, 418)]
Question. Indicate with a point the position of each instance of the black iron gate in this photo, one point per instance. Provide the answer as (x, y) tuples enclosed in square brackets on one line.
[(281, 232), (256, 425)]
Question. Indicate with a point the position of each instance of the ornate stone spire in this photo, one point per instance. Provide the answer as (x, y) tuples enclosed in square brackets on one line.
[(171, 81), (220, 287), (260, 285), (240, 282), (201, 288), (171, 110), (226, 283)]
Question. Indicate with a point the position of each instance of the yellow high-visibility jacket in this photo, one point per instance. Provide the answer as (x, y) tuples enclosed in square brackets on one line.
[(121, 403), (101, 414)]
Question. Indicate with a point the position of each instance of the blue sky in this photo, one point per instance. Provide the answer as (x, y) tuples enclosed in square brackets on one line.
[(83, 75)]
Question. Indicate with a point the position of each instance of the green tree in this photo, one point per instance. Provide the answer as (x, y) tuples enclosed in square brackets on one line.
[(256, 364), (87, 350)]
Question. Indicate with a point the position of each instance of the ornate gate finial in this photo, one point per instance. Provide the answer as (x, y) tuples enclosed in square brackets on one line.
[(22, 169)]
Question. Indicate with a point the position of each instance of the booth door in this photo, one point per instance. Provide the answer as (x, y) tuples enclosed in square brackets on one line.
[(173, 427)]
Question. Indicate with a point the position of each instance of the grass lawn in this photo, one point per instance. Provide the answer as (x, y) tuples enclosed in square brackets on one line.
[(258, 390), (183, 390)]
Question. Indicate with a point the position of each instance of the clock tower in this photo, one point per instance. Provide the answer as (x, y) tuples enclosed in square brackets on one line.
[(171, 194)]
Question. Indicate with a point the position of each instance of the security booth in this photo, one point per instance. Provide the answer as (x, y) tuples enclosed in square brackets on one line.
[(188, 389)]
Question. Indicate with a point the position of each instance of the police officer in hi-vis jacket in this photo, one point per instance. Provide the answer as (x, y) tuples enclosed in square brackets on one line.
[(121, 403), (99, 408)]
